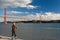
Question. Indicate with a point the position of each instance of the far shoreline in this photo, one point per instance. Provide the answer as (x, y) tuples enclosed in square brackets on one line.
[(34, 21)]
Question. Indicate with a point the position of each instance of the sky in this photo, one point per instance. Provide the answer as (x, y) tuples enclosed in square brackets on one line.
[(47, 9)]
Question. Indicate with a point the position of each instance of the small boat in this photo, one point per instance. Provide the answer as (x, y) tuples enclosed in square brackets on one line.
[(9, 38)]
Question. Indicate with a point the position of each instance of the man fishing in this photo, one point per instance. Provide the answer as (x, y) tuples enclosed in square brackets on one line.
[(14, 29)]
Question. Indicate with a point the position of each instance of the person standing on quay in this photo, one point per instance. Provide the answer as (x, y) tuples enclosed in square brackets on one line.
[(14, 29)]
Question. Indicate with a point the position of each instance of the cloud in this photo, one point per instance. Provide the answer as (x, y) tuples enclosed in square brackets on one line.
[(1, 20), (46, 16), (31, 6), (13, 12), (16, 12), (53, 16), (38, 16), (17, 3)]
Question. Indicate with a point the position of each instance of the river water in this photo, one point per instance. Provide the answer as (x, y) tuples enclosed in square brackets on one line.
[(33, 31)]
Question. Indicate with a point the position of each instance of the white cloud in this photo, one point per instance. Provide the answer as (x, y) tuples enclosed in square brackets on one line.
[(13, 12), (53, 16), (17, 12), (16, 3), (45, 16), (31, 6), (1, 20)]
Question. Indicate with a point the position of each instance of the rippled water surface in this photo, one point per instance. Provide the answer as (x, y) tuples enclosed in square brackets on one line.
[(33, 31)]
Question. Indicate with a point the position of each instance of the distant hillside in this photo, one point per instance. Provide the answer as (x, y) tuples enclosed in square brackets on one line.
[(33, 21), (36, 21)]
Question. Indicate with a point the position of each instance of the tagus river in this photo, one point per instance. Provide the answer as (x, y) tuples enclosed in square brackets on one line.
[(33, 31)]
